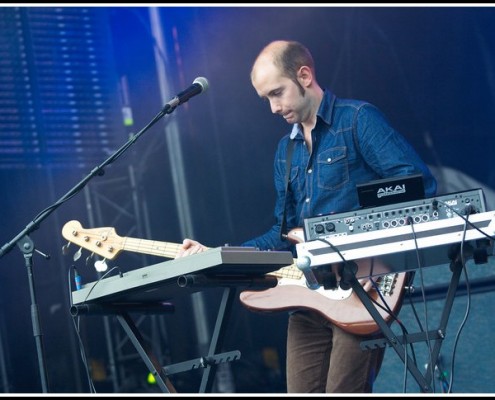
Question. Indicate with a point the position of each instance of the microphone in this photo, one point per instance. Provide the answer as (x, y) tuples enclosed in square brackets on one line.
[(199, 85)]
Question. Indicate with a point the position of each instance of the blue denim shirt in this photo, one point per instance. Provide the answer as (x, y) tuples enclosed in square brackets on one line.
[(352, 143)]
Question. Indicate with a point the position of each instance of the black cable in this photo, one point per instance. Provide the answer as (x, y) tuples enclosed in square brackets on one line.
[(82, 352), (76, 326), (100, 278), (384, 307), (468, 307), (469, 208), (445, 386), (420, 268)]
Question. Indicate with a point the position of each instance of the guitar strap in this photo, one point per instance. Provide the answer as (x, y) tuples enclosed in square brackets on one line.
[(288, 161)]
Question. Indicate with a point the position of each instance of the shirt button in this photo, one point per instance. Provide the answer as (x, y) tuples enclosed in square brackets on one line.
[(307, 200), (310, 171), (329, 160)]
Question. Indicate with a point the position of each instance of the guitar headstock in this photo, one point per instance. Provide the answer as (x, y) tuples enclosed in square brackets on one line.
[(102, 241)]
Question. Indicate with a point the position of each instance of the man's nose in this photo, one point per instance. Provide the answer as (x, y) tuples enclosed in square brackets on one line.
[(275, 106)]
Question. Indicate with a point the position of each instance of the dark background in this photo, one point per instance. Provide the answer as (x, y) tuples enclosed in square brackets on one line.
[(431, 70)]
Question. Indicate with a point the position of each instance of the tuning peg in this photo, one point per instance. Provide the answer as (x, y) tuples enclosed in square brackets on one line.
[(77, 254), (101, 265), (65, 249), (89, 258)]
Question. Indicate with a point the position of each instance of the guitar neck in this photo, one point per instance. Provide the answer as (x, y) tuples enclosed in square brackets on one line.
[(291, 272), (152, 247)]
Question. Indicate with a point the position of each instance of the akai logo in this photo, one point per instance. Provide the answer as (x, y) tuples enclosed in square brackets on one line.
[(390, 190)]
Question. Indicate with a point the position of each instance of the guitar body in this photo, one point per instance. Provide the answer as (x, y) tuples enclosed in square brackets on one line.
[(342, 307)]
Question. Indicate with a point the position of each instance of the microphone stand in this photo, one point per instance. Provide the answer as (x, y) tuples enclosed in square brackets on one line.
[(27, 247)]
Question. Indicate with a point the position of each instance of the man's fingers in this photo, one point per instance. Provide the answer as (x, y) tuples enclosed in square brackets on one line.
[(190, 247), (366, 284)]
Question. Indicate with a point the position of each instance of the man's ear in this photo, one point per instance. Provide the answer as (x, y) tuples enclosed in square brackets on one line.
[(305, 76)]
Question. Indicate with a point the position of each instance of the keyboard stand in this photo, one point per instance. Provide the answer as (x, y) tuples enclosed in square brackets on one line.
[(145, 289), (146, 354), (399, 343), (210, 361)]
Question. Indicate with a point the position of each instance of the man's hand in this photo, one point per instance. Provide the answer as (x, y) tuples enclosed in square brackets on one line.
[(366, 284), (189, 247)]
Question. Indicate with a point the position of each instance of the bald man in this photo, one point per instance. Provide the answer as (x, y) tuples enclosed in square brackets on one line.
[(336, 144)]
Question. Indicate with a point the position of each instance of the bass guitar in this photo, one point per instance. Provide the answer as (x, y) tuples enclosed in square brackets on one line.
[(341, 307)]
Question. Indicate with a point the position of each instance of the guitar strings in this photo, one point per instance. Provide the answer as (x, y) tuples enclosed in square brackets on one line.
[(164, 249)]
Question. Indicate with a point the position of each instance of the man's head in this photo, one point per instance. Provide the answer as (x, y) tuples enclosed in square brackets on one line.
[(284, 74), (288, 57)]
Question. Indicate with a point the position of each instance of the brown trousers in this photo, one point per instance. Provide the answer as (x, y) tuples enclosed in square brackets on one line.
[(322, 358)]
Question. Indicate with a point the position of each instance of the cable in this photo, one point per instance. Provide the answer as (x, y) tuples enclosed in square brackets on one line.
[(469, 208), (334, 248), (460, 257), (468, 308), (76, 322), (100, 278), (384, 307), (399, 322), (420, 268), (82, 352)]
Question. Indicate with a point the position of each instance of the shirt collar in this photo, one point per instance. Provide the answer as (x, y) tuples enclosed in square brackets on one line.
[(325, 113)]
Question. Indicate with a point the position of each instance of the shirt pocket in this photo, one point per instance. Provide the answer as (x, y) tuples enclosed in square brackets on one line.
[(296, 179), (333, 168)]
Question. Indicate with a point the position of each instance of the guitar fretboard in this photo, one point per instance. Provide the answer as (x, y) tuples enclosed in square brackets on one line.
[(290, 272), (162, 249)]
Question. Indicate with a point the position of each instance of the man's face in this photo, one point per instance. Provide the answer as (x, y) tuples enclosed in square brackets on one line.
[(283, 94)]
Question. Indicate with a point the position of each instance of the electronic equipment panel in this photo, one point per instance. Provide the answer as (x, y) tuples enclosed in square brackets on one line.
[(394, 215), (407, 247)]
